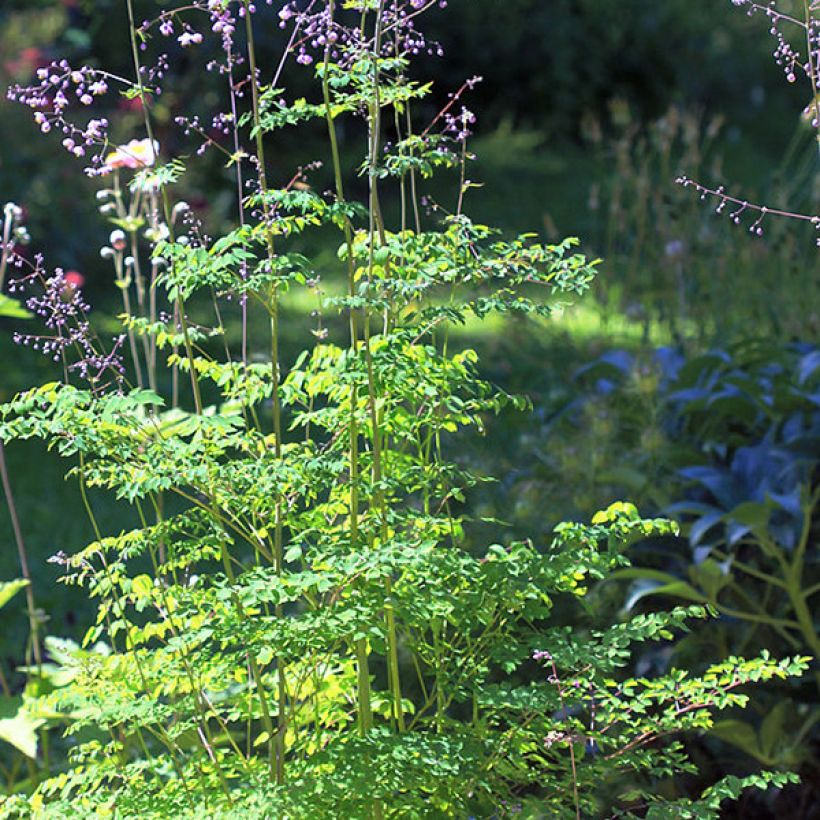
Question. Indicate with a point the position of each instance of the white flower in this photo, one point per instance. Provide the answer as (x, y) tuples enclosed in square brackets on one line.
[(136, 154)]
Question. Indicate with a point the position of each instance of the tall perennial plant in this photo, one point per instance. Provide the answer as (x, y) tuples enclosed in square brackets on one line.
[(299, 627)]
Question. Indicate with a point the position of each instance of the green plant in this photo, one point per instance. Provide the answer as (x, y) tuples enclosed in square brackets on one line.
[(750, 513), (14, 729), (726, 442), (296, 627)]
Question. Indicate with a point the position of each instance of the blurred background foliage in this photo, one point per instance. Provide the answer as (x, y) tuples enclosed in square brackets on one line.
[(688, 381)]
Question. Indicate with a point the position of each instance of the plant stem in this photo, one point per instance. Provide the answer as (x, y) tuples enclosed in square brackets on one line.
[(810, 58), (22, 555), (377, 225), (361, 649), (273, 303), (180, 303), (571, 742), (31, 608)]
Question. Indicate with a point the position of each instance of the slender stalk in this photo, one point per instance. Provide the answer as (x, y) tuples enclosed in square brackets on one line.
[(5, 247), (123, 284), (571, 743), (179, 304), (203, 706), (414, 196), (273, 309), (34, 624), (361, 649), (377, 226), (811, 58), (439, 685), (240, 190), (31, 608), (256, 674), (139, 282)]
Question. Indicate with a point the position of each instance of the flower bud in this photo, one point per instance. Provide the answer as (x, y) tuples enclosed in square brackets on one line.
[(179, 208), (13, 212), (117, 240)]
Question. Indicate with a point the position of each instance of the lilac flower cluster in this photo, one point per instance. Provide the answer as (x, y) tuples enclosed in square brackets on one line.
[(316, 34), (453, 128), (738, 210), (452, 122), (195, 233), (316, 31), (58, 84), (791, 61), (222, 124), (785, 55), (63, 310), (222, 21), (319, 34), (153, 74), (445, 129), (458, 125), (169, 23)]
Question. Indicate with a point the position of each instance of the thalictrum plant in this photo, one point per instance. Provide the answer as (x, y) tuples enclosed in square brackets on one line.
[(299, 626)]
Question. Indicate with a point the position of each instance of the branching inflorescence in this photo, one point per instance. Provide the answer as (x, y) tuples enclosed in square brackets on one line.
[(794, 63)]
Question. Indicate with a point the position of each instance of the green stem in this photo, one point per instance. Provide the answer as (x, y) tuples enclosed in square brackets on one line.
[(180, 303), (34, 624), (794, 579), (275, 374), (802, 613), (377, 225), (118, 604), (256, 674), (438, 676), (361, 649), (31, 608), (772, 580), (763, 617)]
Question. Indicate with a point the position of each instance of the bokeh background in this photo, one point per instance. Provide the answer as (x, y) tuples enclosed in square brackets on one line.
[(686, 381)]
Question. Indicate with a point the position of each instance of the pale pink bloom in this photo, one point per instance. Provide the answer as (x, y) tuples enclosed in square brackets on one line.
[(136, 154)]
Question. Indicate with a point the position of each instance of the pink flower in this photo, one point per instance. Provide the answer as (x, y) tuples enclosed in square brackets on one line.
[(72, 282), (136, 154), (74, 278)]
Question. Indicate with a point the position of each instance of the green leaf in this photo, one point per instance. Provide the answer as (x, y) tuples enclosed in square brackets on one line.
[(710, 577), (12, 309), (8, 589), (20, 730), (739, 734), (666, 584), (752, 514), (772, 730)]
